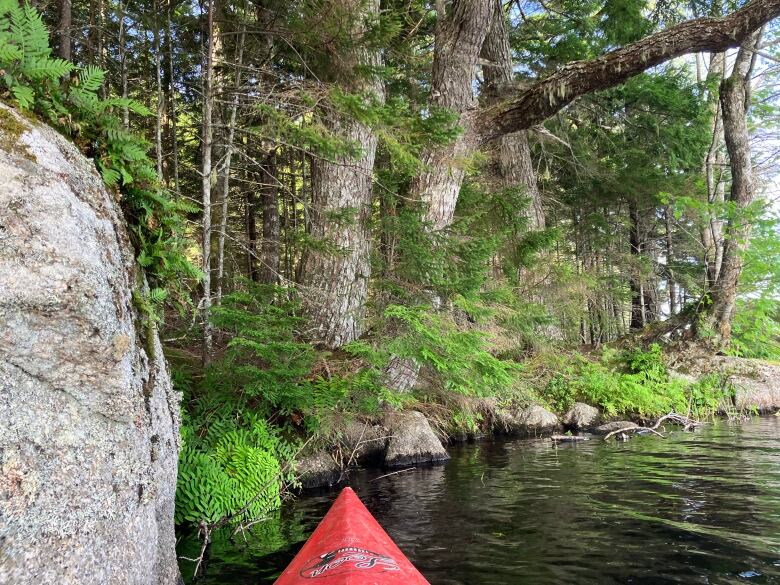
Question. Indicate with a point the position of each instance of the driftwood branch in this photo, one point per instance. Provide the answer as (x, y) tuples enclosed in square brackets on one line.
[(684, 421)]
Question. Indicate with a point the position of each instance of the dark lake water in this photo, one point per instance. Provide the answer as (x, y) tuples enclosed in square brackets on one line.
[(700, 507)]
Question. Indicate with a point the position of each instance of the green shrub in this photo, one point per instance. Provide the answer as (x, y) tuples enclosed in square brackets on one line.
[(635, 382), (231, 466), (458, 356)]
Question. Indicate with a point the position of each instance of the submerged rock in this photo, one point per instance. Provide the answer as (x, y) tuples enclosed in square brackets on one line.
[(412, 441), (618, 425), (581, 416), (318, 470), (89, 422)]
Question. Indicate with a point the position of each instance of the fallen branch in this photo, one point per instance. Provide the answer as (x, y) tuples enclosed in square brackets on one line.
[(684, 421), (568, 438)]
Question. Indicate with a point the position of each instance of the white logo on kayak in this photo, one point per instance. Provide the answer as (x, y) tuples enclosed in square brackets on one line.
[(347, 559)]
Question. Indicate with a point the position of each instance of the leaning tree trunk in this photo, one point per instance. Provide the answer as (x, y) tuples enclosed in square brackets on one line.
[(734, 100), (335, 275), (89, 422)]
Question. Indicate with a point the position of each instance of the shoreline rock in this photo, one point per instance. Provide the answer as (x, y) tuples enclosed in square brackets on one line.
[(412, 441), (581, 417)]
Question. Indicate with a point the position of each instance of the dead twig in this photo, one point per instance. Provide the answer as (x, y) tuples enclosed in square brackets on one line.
[(393, 473)]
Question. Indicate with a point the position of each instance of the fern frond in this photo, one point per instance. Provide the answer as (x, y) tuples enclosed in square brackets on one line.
[(40, 68), (91, 78), (9, 53), (25, 97)]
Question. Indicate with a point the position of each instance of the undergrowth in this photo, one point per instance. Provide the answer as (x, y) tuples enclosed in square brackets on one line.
[(633, 382)]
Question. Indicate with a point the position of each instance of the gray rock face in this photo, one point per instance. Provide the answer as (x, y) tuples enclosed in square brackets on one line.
[(363, 442), (535, 418), (88, 419), (318, 470), (756, 384), (581, 416), (618, 425), (412, 441), (531, 421)]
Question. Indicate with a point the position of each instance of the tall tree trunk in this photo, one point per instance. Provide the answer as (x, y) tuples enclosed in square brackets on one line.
[(206, 174), (635, 282), (251, 235), (63, 29), (515, 161), (672, 284), (123, 62), (158, 124), (174, 174), (336, 271), (269, 253), (225, 184), (734, 101), (460, 34), (712, 229)]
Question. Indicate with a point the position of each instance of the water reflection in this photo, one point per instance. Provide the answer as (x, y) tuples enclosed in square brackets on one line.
[(694, 508)]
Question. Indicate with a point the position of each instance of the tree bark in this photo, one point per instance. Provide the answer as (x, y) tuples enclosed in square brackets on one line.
[(251, 236), (459, 38), (63, 29), (460, 35), (269, 253), (158, 124), (672, 284), (712, 230), (171, 99), (123, 63), (734, 101), (225, 184), (515, 161), (206, 172), (635, 282), (337, 268)]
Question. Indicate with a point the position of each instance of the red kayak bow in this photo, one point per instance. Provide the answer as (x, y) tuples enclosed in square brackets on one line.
[(349, 547)]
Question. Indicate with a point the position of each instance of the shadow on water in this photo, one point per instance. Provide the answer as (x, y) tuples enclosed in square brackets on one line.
[(700, 507)]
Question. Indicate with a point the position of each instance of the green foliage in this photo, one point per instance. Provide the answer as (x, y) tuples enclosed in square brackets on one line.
[(634, 382), (460, 357), (39, 83), (230, 466)]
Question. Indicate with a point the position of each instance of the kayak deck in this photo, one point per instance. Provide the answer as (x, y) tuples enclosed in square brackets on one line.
[(349, 547)]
